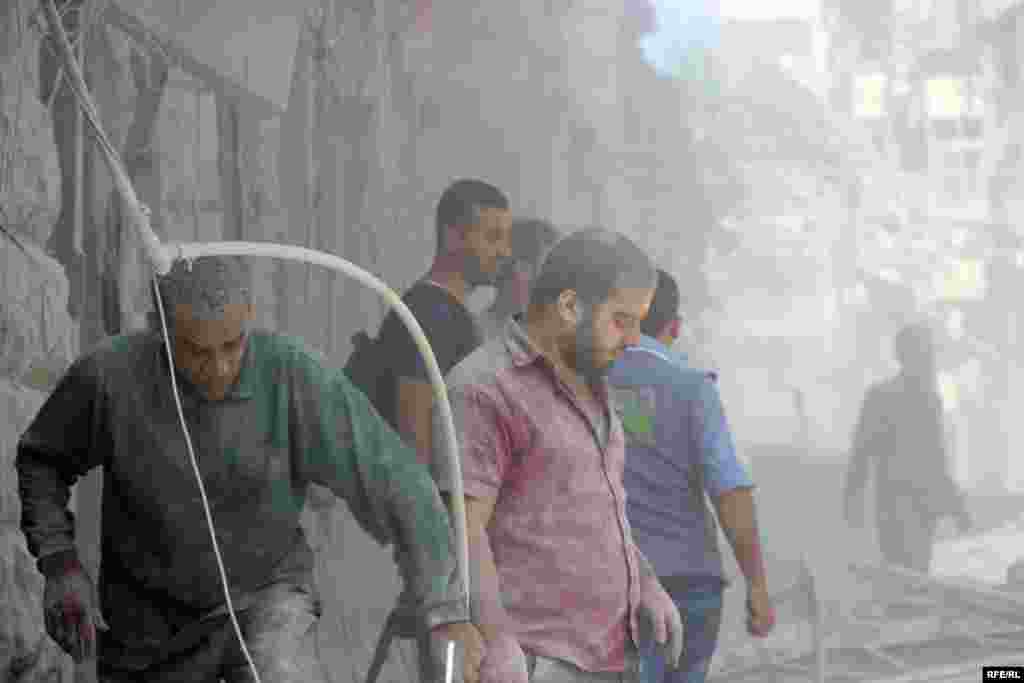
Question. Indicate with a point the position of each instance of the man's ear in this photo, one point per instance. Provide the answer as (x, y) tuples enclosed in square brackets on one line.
[(675, 328), (568, 305)]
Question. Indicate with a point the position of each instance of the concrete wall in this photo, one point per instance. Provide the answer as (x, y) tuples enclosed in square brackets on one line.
[(36, 334)]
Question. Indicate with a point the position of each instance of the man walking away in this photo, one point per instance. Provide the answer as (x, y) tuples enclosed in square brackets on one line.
[(900, 434), (679, 448), (531, 240), (267, 418), (559, 585)]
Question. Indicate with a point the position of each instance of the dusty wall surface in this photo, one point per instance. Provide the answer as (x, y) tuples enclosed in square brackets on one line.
[(37, 336)]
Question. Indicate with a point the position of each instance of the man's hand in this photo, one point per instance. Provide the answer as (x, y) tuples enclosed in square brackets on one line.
[(760, 613), (666, 622), (467, 637), (70, 612)]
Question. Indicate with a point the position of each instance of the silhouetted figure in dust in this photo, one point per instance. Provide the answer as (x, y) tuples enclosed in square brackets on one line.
[(900, 435)]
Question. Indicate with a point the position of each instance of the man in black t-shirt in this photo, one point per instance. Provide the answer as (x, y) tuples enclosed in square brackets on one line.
[(473, 242)]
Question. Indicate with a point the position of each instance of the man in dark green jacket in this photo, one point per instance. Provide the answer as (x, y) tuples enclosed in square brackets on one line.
[(266, 419)]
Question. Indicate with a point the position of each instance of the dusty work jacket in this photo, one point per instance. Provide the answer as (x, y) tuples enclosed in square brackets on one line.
[(289, 421)]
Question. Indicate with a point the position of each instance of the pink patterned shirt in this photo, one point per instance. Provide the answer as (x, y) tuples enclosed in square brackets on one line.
[(566, 560)]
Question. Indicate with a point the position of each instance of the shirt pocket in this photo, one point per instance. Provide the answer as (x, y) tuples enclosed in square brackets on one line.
[(636, 408)]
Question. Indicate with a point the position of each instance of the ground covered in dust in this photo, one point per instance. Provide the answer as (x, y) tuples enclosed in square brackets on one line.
[(800, 509)]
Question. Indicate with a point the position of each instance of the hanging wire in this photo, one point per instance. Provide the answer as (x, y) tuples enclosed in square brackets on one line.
[(86, 22), (76, 82)]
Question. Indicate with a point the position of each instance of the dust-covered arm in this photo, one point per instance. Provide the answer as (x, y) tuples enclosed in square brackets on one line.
[(737, 514), (729, 485), (484, 450), (356, 454), (66, 439)]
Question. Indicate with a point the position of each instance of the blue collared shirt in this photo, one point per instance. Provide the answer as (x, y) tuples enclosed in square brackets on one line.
[(679, 448)]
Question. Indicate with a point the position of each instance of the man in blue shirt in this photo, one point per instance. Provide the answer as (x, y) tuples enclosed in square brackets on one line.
[(679, 448)]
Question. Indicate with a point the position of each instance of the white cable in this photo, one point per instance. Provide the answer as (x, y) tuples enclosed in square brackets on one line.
[(199, 481), (158, 256)]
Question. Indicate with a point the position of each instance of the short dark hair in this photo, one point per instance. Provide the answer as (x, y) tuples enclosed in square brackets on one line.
[(531, 238), (461, 204), (592, 262), (664, 307)]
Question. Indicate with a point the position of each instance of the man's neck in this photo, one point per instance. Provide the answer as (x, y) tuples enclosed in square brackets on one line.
[(444, 273), (546, 342)]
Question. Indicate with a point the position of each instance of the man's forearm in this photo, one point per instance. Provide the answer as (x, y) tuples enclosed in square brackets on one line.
[(429, 564), (646, 568), (486, 605), (415, 417), (45, 520), (736, 514)]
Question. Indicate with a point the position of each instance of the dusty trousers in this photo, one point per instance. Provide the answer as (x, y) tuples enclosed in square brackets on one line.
[(280, 632)]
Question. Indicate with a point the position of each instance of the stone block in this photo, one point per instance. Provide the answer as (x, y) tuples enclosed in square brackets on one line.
[(18, 406), (29, 170), (36, 332), (27, 654)]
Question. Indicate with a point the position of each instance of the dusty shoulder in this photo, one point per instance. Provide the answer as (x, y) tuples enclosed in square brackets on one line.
[(480, 367), (284, 347), (289, 358)]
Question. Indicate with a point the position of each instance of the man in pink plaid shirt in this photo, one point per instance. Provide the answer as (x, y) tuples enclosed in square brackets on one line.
[(559, 586)]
